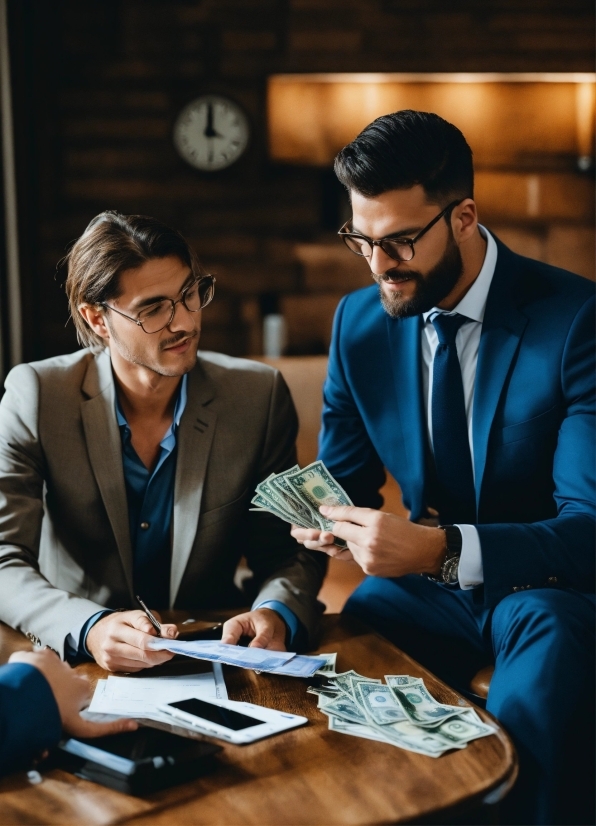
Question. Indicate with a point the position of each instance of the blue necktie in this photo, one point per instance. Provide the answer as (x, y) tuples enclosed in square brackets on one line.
[(451, 447)]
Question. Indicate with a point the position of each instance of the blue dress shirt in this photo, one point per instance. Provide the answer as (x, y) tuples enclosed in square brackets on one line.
[(150, 496)]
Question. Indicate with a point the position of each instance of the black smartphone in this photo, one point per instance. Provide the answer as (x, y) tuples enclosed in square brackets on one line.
[(136, 762)]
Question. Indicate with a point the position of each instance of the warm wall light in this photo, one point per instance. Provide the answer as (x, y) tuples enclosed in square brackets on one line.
[(585, 96), (509, 119)]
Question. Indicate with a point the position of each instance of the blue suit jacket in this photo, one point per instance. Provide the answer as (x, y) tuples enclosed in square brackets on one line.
[(29, 717), (533, 421)]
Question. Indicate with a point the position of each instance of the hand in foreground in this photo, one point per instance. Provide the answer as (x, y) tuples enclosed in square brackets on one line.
[(265, 626), (383, 544), (120, 641), (72, 693)]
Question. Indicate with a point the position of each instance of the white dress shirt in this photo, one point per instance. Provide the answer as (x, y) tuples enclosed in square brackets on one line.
[(467, 341)]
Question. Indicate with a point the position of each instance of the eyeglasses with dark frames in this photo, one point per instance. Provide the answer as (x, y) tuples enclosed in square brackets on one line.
[(400, 249), (157, 316)]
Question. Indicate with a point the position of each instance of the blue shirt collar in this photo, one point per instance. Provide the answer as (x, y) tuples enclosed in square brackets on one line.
[(178, 409)]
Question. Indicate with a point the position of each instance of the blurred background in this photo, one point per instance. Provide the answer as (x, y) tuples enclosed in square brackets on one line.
[(92, 91)]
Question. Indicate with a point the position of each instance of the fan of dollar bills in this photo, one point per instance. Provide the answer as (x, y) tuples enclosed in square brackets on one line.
[(402, 713), (296, 495)]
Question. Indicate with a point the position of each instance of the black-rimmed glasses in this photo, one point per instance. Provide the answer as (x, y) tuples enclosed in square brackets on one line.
[(400, 249), (157, 316)]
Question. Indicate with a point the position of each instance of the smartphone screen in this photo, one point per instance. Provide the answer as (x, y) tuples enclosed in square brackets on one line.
[(225, 717)]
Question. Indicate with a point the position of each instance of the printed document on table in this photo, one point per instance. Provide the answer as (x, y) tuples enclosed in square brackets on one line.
[(139, 696)]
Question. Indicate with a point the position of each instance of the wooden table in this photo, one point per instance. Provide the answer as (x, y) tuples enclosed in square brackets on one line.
[(306, 776)]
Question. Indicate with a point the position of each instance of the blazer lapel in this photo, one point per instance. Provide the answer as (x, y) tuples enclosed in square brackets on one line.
[(105, 452), (195, 437), (404, 345), (502, 329)]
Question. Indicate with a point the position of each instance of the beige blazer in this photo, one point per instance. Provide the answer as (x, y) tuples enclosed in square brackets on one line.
[(65, 549)]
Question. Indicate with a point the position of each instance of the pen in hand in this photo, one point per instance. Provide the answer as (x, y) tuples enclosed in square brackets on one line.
[(152, 619)]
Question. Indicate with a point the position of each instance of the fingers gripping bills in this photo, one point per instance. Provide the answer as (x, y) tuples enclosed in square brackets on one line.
[(295, 495), (401, 713)]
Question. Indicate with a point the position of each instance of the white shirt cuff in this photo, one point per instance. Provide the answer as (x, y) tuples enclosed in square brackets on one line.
[(470, 572)]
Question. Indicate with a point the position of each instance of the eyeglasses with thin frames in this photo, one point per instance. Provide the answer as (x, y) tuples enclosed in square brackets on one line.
[(157, 316), (400, 249)]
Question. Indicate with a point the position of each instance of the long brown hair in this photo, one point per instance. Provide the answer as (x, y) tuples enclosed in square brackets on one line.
[(112, 244)]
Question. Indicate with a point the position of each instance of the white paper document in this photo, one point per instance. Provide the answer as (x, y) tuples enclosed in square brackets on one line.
[(139, 696), (258, 659)]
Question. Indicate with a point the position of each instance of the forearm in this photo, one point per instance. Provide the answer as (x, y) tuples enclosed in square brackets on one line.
[(29, 603), (296, 583), (557, 552)]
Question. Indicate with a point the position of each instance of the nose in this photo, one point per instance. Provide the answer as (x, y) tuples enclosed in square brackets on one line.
[(183, 319), (379, 262)]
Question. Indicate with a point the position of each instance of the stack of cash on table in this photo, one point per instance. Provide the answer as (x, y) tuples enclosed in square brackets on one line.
[(401, 713)]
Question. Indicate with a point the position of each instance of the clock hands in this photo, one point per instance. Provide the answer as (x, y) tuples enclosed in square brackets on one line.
[(209, 130)]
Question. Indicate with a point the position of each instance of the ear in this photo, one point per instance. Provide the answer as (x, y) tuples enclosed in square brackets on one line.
[(95, 318), (464, 220)]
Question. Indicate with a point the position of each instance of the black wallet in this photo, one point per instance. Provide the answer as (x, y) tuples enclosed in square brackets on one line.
[(136, 762)]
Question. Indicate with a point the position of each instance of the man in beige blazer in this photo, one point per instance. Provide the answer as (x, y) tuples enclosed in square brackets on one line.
[(130, 465)]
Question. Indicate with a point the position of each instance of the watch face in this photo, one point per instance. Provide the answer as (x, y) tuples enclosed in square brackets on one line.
[(211, 133), (450, 570)]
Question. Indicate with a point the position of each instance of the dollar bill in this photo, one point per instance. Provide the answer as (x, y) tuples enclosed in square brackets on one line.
[(315, 485), (295, 511), (420, 707), (303, 508), (296, 495), (264, 504), (322, 692), (356, 730), (418, 739), (346, 681), (328, 669), (379, 703), (365, 707), (369, 732), (343, 707), (401, 679), (463, 729)]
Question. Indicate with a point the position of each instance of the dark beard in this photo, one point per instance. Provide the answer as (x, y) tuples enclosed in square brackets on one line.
[(431, 288)]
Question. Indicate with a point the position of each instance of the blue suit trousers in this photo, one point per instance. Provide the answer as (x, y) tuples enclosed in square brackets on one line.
[(542, 644)]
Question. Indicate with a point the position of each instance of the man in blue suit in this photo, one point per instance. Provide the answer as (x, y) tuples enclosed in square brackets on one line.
[(472, 381), (39, 696)]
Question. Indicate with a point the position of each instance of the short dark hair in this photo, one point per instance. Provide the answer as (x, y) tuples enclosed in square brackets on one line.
[(407, 148), (112, 244)]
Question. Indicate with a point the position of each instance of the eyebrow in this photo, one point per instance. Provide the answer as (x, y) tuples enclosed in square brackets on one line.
[(397, 234), (147, 302)]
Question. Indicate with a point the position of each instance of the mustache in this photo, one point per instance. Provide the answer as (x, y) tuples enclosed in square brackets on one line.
[(171, 342), (396, 277)]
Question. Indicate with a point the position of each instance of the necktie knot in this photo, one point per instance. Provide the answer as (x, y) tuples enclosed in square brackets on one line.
[(447, 327)]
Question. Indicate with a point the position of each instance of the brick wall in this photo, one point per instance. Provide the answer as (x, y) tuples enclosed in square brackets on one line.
[(99, 83)]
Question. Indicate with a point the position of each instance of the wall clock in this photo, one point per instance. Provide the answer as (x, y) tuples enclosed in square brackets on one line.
[(211, 132)]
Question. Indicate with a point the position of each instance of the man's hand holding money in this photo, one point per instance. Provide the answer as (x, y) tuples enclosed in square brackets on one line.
[(381, 543)]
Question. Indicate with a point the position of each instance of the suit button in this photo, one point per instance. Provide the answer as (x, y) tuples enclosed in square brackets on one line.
[(145, 526), (516, 588), (552, 580)]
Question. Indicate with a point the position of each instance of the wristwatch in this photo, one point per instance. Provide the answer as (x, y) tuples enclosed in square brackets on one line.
[(450, 566)]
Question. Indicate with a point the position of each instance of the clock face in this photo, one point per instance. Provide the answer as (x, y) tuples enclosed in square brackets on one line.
[(211, 132)]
